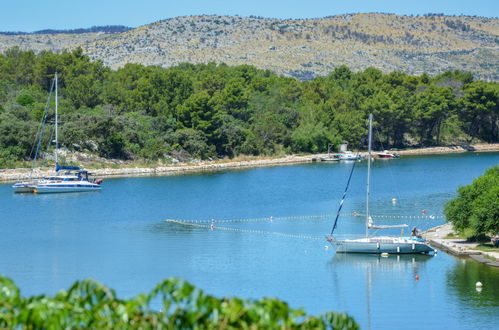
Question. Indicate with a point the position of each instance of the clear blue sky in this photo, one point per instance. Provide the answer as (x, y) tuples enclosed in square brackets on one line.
[(32, 15)]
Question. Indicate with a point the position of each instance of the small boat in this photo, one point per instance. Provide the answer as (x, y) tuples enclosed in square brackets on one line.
[(348, 155), (24, 187), (386, 154), (329, 158), (376, 244), (73, 179)]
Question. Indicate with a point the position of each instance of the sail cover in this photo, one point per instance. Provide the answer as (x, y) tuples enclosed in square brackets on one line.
[(371, 225)]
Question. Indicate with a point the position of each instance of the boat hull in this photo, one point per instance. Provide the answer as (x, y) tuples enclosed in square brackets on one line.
[(378, 246), (23, 188), (47, 189), (330, 159)]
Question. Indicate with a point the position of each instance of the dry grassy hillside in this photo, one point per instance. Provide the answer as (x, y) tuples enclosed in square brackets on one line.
[(300, 48)]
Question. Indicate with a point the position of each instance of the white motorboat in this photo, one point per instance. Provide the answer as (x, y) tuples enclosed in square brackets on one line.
[(387, 154), (24, 187), (348, 155)]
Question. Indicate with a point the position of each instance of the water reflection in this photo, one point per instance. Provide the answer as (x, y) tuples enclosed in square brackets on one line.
[(376, 271), (462, 278), (378, 263)]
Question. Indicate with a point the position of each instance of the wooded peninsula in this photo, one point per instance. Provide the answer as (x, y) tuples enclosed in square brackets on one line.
[(208, 111)]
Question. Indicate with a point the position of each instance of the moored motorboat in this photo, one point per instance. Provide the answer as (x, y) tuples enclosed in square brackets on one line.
[(23, 187), (386, 154), (348, 155)]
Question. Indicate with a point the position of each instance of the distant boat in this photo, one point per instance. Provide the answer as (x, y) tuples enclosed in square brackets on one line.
[(329, 158), (386, 154), (376, 244), (67, 179), (24, 187), (348, 155), (73, 179)]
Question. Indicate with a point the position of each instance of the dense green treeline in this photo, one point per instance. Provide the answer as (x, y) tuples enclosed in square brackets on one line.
[(209, 110), (91, 305), (474, 213)]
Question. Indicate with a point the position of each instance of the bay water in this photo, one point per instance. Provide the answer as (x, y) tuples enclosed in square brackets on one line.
[(119, 236)]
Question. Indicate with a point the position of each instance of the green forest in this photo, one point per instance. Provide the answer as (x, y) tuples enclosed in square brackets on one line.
[(210, 111)]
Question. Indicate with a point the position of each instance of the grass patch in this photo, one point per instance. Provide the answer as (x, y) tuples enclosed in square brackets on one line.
[(486, 256), (454, 235), (487, 247)]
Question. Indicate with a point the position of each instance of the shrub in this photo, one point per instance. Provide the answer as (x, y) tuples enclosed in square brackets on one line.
[(89, 304)]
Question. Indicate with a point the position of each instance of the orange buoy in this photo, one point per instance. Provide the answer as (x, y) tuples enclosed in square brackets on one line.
[(423, 211), (417, 277), (354, 214)]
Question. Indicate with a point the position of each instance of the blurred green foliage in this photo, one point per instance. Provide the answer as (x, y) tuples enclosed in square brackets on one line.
[(91, 305), (212, 110)]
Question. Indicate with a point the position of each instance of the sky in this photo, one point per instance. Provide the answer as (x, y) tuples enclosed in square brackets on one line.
[(33, 15)]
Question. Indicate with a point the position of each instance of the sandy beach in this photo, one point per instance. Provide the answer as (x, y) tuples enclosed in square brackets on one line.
[(11, 175)]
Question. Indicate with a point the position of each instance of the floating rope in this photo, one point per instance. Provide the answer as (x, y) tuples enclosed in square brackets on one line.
[(212, 227), (302, 217), (306, 217), (431, 217)]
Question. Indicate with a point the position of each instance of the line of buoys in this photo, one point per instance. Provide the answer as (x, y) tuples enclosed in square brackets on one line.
[(322, 216), (212, 226)]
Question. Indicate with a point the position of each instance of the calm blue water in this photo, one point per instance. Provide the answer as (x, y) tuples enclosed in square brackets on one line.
[(118, 236)]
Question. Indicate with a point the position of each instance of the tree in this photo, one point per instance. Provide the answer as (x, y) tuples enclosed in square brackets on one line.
[(475, 211), (479, 110), (432, 106)]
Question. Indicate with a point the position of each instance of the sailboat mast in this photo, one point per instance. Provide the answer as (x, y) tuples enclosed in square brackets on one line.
[(56, 121), (368, 193)]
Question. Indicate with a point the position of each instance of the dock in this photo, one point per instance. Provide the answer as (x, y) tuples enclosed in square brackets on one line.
[(458, 246)]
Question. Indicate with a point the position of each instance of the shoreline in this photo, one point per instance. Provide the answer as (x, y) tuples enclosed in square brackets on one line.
[(437, 237), (12, 175)]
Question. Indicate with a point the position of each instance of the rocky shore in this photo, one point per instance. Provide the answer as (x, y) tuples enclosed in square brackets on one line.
[(11, 175), (439, 238)]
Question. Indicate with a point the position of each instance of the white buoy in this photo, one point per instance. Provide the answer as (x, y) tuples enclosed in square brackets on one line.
[(478, 284), (384, 255), (326, 247), (394, 200)]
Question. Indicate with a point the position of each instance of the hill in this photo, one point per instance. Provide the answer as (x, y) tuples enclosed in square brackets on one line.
[(104, 29), (299, 48)]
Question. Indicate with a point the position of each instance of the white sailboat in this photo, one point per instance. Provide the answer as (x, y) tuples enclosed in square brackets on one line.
[(66, 178), (377, 244)]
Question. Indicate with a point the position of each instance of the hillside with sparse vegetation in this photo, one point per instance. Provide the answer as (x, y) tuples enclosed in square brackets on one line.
[(302, 48)]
